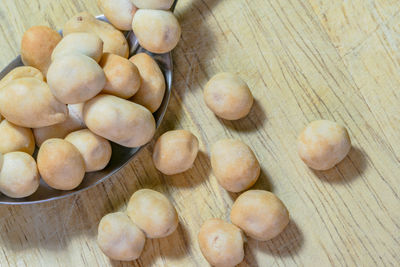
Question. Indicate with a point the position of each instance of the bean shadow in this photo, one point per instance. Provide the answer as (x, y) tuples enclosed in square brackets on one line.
[(347, 170), (254, 121), (116, 263), (249, 258), (192, 51), (196, 42), (50, 225), (263, 183), (176, 246), (194, 176), (287, 244)]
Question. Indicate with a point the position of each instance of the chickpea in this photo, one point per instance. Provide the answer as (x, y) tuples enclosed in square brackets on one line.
[(119, 12), (323, 144), (234, 165), (119, 120), (71, 87), (228, 96), (221, 243), (175, 151), (119, 238), (37, 44), (152, 88), (19, 176), (159, 36), (60, 164), (123, 78), (95, 150), (15, 138), (28, 102), (153, 213), (260, 214)]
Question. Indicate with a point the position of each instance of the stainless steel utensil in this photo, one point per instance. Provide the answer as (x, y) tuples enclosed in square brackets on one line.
[(120, 155)]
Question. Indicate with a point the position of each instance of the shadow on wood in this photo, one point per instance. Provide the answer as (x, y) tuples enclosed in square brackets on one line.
[(347, 170), (191, 177), (254, 121), (196, 43), (249, 258), (49, 224), (263, 183), (137, 263), (287, 244), (175, 246)]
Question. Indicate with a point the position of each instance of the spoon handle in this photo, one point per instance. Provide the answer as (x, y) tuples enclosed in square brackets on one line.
[(174, 5)]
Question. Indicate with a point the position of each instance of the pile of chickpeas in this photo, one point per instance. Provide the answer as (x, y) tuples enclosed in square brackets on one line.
[(77, 93)]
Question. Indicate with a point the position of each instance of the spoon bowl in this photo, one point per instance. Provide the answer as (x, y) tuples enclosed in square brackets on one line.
[(120, 155)]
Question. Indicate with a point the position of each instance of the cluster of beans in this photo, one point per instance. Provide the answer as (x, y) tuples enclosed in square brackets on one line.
[(259, 214), (77, 93)]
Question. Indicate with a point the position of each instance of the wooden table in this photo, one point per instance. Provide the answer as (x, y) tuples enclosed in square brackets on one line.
[(303, 60)]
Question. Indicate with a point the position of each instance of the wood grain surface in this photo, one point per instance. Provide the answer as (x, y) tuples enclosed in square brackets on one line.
[(303, 60)]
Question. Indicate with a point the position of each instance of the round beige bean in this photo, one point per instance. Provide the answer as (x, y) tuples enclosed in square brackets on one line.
[(119, 238), (323, 144), (175, 151), (83, 81), (119, 120), (260, 214), (159, 36), (153, 213), (234, 165), (60, 164), (152, 88), (19, 176), (228, 96), (28, 102), (119, 12), (95, 150), (153, 4), (37, 45), (15, 138), (221, 243), (88, 44), (123, 78)]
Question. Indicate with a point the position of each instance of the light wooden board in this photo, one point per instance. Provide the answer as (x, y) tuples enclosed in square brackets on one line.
[(304, 60)]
